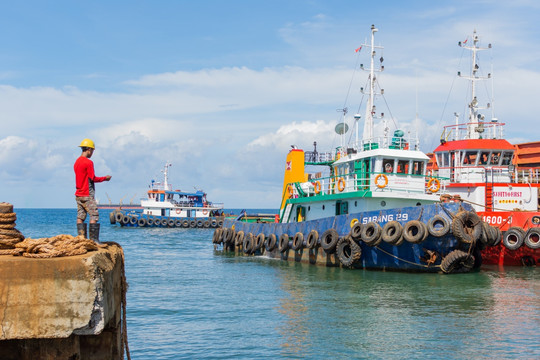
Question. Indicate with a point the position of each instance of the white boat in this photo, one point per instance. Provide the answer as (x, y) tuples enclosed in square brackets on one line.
[(164, 206)]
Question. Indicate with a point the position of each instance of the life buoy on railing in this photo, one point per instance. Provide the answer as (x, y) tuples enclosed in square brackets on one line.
[(385, 178), (341, 184), (434, 185), (317, 187), (205, 212), (178, 211)]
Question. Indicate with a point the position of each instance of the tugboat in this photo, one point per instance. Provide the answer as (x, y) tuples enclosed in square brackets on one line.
[(478, 166), (165, 207), (369, 204)]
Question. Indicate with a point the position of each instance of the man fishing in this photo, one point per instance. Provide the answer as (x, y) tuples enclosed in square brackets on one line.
[(85, 179)]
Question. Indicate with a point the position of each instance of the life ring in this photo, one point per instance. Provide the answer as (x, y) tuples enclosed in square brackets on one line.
[(205, 212), (317, 187), (348, 251), (341, 184), (178, 211), (380, 186), (434, 185)]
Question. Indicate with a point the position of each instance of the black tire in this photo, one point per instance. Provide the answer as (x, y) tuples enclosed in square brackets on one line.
[(206, 224), (283, 243), (329, 241), (371, 234), (312, 239), (199, 223), (118, 216), (532, 238), (229, 236), (258, 242), (239, 238), (192, 224), (298, 241), (356, 231), (185, 224), (467, 227), (348, 251), (457, 261), (270, 242), (178, 223), (438, 226), (150, 221), (112, 218), (141, 222), (392, 232), (132, 220), (213, 223), (496, 235), (220, 223), (163, 222), (513, 238), (217, 236), (415, 231), (171, 223), (248, 243)]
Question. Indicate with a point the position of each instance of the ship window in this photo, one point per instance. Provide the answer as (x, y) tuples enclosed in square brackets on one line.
[(484, 158), (469, 159), (506, 157), (388, 165), (495, 158), (403, 167), (443, 159), (418, 167)]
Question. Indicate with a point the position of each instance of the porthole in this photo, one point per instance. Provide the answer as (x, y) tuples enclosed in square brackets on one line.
[(323, 207), (418, 204), (356, 203), (383, 203)]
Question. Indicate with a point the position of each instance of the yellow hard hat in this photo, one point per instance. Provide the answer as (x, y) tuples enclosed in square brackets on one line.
[(87, 143)]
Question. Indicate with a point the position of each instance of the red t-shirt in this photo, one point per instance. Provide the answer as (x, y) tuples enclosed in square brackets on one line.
[(85, 177)]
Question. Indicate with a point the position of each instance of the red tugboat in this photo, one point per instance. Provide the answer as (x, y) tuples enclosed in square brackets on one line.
[(480, 167)]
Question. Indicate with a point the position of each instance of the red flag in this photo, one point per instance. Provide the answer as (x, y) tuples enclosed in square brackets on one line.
[(466, 40), (357, 50)]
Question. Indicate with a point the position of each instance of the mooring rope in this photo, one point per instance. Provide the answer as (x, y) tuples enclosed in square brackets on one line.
[(406, 261)]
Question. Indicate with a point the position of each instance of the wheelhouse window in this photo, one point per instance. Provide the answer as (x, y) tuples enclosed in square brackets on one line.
[(443, 159), (388, 165), (484, 158), (495, 158), (469, 158), (507, 158), (403, 167), (418, 167)]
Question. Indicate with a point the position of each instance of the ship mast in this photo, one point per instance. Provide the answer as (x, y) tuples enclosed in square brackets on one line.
[(475, 127), (370, 108)]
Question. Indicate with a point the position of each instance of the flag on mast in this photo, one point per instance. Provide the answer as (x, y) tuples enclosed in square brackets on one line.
[(357, 50)]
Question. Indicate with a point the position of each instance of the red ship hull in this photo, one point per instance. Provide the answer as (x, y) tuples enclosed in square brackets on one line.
[(500, 255)]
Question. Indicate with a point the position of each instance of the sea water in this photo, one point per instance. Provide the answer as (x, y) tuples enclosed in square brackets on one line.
[(187, 300)]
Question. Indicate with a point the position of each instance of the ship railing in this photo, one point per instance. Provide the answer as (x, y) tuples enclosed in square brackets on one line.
[(370, 182), (485, 129), (527, 175), (315, 157)]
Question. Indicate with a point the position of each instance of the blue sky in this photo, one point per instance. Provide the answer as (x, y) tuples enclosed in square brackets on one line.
[(221, 89)]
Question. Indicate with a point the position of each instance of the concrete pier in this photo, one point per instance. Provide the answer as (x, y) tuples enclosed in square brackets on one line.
[(63, 307)]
